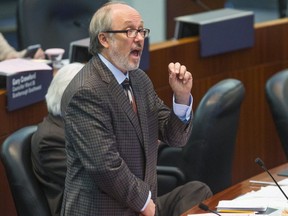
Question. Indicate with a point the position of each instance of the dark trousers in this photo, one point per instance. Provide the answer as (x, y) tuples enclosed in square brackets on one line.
[(182, 198)]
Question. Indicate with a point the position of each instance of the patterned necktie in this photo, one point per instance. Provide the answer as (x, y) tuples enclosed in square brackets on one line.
[(129, 93)]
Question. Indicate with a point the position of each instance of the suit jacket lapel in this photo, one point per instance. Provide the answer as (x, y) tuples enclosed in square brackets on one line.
[(122, 99), (142, 115), (118, 92)]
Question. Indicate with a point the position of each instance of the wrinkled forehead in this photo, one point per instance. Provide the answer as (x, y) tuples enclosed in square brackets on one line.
[(124, 16)]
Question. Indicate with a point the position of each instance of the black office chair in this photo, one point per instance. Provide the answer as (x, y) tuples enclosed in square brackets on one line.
[(208, 155), (276, 90), (169, 178), (54, 23), (28, 197), (264, 10)]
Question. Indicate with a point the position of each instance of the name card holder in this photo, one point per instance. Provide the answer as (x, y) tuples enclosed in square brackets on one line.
[(219, 31), (27, 86)]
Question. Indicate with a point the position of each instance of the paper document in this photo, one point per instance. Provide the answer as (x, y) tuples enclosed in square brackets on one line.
[(241, 205), (269, 197), (267, 183), (224, 214), (12, 66)]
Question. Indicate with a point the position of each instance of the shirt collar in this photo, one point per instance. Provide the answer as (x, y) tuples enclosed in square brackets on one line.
[(120, 77)]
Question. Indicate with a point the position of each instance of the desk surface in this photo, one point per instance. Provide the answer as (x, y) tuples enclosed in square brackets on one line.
[(239, 189)]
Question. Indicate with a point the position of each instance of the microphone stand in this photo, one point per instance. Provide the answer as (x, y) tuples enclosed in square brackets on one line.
[(206, 208), (261, 164)]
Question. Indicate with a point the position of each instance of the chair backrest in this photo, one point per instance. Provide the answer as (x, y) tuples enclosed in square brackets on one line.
[(276, 90), (16, 158), (209, 152), (264, 10), (168, 178), (54, 23)]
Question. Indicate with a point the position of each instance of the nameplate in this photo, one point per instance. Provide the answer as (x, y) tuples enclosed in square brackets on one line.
[(26, 87)]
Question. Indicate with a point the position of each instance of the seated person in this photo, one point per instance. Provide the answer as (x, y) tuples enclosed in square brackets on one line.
[(48, 144), (8, 52)]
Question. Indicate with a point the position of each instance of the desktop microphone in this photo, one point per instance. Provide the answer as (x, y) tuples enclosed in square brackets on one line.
[(261, 163), (206, 208)]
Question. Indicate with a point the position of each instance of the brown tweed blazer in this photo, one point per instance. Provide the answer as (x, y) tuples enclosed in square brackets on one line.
[(111, 151)]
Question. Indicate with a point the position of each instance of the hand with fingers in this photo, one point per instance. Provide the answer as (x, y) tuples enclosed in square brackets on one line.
[(149, 210), (181, 82)]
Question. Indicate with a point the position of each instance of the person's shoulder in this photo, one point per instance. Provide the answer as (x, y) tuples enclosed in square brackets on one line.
[(142, 77), (140, 74), (50, 123), (82, 78)]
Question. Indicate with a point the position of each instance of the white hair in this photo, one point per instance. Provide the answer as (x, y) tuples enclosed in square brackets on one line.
[(58, 85)]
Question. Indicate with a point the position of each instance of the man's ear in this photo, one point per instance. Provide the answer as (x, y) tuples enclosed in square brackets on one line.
[(102, 37)]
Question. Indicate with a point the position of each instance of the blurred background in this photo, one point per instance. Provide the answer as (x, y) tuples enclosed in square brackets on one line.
[(159, 15)]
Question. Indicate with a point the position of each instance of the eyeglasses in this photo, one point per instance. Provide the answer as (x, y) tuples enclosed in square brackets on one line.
[(132, 33)]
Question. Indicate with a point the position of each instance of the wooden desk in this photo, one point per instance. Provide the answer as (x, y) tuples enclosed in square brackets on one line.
[(239, 189)]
